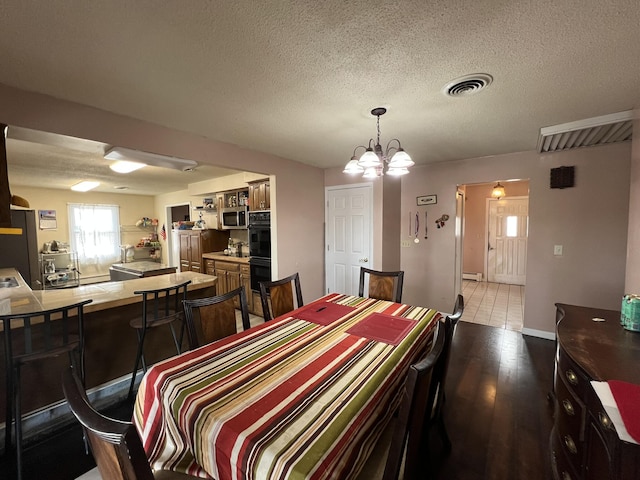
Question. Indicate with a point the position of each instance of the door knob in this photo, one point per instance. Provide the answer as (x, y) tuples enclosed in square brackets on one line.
[(364, 260)]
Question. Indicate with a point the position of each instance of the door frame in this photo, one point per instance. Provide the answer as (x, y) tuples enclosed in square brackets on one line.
[(168, 220), (369, 187)]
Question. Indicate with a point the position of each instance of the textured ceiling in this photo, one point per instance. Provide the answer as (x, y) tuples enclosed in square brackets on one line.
[(298, 78)]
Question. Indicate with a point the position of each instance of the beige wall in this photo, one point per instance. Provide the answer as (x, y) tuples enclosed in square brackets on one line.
[(475, 221), (632, 280), (298, 189), (132, 208), (590, 220)]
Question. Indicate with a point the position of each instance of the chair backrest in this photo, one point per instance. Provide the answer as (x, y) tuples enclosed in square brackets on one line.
[(441, 368), (48, 333), (277, 296), (382, 285), (165, 303), (408, 433), (458, 309), (116, 446), (212, 318)]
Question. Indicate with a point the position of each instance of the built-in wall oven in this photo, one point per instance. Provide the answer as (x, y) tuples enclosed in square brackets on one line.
[(259, 247)]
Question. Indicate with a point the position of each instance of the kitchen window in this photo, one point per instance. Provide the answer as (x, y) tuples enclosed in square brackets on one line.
[(94, 232)]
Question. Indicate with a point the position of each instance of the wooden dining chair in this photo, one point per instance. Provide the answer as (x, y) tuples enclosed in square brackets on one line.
[(382, 285), (115, 444), (400, 451), (212, 318), (35, 338), (160, 306), (277, 296)]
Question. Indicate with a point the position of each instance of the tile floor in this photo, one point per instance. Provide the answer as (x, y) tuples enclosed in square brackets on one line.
[(494, 304)]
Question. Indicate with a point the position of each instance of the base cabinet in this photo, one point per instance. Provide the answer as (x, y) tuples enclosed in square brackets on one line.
[(231, 275), (584, 443)]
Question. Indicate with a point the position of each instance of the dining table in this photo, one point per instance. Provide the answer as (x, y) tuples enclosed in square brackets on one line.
[(303, 396)]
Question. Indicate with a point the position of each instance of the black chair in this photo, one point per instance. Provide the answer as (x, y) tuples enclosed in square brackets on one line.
[(458, 309), (160, 306), (116, 445), (402, 443), (277, 296), (382, 285), (212, 318), (34, 337)]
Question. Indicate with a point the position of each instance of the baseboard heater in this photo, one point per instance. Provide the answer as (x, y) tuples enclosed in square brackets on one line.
[(472, 276)]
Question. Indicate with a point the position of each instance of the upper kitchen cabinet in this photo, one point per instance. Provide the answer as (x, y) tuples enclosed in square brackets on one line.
[(259, 195), (235, 198), (193, 243)]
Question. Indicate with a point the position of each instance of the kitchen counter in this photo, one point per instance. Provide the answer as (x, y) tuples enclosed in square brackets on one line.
[(110, 342), (131, 270), (229, 258), (22, 299)]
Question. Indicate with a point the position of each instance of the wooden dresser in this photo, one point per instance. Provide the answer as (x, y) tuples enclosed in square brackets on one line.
[(584, 443)]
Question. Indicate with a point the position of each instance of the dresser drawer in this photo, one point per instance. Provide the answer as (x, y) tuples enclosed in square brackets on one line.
[(570, 410), (564, 469), (575, 378), (227, 266)]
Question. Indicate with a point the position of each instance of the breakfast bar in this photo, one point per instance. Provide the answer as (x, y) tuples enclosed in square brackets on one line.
[(110, 343)]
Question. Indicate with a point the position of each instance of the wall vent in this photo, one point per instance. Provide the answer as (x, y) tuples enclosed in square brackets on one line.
[(613, 128)]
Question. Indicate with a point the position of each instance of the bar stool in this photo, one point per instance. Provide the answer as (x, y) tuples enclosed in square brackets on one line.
[(160, 306), (32, 337)]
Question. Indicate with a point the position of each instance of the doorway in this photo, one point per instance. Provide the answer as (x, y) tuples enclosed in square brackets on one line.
[(175, 213), (493, 259)]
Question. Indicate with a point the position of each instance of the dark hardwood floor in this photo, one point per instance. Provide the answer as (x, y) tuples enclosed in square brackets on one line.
[(496, 413)]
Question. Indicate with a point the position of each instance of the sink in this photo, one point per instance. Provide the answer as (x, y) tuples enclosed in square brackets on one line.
[(8, 282)]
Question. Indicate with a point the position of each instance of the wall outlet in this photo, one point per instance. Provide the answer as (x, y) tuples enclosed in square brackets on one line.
[(405, 243), (557, 250)]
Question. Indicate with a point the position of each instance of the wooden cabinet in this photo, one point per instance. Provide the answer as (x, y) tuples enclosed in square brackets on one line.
[(259, 195), (584, 441), (193, 243), (231, 275)]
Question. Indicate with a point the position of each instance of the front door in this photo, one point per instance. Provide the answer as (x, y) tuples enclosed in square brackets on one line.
[(348, 236), (507, 245)]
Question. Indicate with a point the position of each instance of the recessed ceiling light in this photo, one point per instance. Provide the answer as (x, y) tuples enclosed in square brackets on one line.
[(84, 186), (125, 166)]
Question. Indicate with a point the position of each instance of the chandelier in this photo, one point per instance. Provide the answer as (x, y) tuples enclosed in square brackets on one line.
[(374, 162)]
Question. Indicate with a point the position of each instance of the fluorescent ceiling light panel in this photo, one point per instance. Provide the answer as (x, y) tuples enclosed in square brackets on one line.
[(120, 153), (84, 186), (125, 166)]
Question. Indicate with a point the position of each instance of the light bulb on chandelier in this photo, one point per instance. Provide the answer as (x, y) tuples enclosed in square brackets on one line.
[(374, 162)]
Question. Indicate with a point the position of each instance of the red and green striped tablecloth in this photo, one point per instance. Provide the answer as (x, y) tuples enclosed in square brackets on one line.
[(289, 399)]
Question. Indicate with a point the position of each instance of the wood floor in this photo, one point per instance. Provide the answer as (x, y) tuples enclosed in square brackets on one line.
[(496, 413)]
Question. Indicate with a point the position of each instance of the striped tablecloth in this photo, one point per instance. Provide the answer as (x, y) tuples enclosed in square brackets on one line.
[(289, 399)]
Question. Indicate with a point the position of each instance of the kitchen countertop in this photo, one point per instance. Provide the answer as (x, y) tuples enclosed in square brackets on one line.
[(21, 299), (142, 266), (227, 258)]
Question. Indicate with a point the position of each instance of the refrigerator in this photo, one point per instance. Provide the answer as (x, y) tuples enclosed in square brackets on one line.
[(21, 251)]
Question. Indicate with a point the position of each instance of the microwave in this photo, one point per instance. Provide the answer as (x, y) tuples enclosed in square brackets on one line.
[(234, 217)]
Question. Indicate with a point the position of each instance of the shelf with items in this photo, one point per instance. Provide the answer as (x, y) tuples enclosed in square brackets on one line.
[(235, 198), (59, 270)]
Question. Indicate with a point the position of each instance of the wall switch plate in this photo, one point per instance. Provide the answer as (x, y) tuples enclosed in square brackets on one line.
[(405, 243), (557, 250)]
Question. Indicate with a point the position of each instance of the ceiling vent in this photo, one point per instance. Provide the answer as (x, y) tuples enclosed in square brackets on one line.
[(613, 128), (467, 85)]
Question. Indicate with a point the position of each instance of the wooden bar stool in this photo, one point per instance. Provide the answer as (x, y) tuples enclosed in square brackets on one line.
[(160, 306), (33, 337)]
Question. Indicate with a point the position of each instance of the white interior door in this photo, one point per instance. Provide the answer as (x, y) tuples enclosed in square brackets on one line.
[(508, 227), (348, 234)]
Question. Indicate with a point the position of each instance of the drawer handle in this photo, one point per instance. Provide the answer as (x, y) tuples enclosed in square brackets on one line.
[(566, 476), (568, 407), (572, 377), (605, 421), (571, 445)]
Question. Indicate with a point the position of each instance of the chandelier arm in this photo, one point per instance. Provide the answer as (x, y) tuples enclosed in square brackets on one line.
[(391, 148), (355, 149)]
